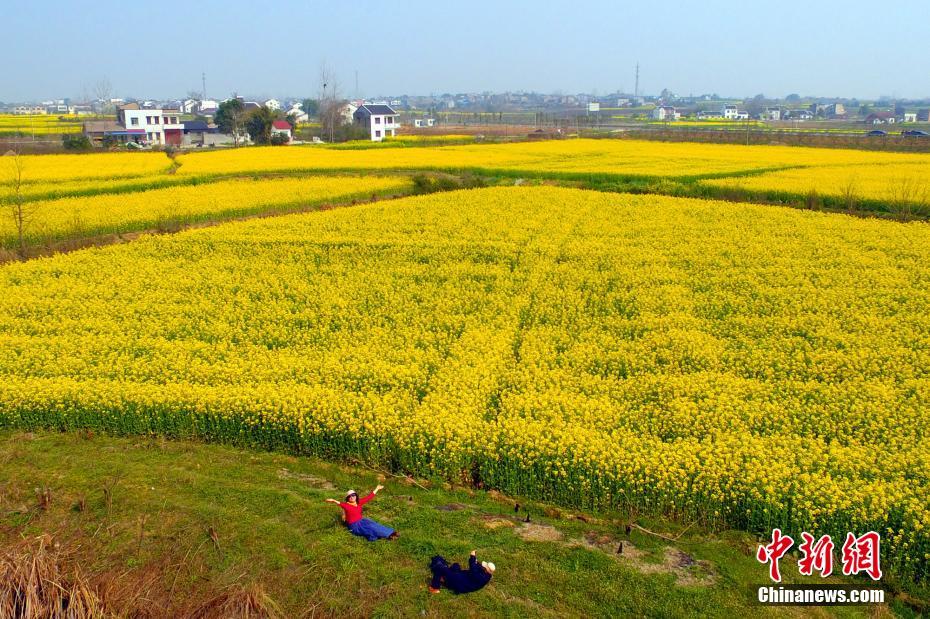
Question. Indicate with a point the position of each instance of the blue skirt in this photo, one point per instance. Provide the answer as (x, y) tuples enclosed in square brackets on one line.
[(370, 530)]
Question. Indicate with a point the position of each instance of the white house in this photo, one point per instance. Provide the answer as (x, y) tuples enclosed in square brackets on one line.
[(272, 104), (797, 115), (189, 106), (207, 106), (380, 120), (29, 109), (298, 114), (771, 113), (730, 112), (281, 127), (665, 112), (159, 126), (347, 111), (709, 114), (910, 117), (424, 122)]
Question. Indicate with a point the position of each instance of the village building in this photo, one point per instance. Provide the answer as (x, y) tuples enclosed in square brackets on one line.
[(380, 120), (281, 127), (161, 126), (666, 113)]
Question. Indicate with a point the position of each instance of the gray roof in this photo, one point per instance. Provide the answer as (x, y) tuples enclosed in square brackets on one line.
[(378, 109), (102, 126)]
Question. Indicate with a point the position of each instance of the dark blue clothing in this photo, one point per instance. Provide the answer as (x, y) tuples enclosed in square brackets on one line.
[(457, 579), (370, 530)]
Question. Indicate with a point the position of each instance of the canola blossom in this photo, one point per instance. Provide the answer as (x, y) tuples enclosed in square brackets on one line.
[(45, 168), (79, 217), (576, 158), (40, 124), (747, 365), (776, 171), (888, 182)]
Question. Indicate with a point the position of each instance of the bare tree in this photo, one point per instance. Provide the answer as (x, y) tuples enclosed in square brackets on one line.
[(330, 103), (103, 90), (20, 211)]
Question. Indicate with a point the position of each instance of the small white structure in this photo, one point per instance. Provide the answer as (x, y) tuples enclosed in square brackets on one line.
[(273, 104), (347, 112), (189, 106), (207, 106), (281, 127), (424, 122), (771, 113), (730, 112), (380, 120), (910, 117), (297, 113), (665, 112), (709, 115), (28, 110)]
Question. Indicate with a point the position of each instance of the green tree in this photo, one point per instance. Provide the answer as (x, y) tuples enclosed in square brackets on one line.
[(311, 106), (230, 116), (77, 141), (258, 124)]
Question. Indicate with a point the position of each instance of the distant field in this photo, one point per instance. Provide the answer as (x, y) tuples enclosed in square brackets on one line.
[(87, 216), (559, 158), (40, 124), (892, 183), (873, 181)]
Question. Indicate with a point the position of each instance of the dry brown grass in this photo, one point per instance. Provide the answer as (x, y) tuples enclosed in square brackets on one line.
[(36, 582), (237, 602)]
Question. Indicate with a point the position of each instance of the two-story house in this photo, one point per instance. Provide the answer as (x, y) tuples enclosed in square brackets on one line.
[(665, 112), (380, 120), (160, 126)]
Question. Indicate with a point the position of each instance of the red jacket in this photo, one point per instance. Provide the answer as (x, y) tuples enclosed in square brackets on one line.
[(354, 512)]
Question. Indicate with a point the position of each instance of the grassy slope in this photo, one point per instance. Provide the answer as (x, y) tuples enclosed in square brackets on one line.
[(274, 529)]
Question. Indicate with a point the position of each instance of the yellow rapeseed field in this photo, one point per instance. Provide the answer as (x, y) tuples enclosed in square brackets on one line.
[(891, 182), (744, 364), (40, 124), (53, 168), (784, 171), (83, 216), (566, 157), (572, 158)]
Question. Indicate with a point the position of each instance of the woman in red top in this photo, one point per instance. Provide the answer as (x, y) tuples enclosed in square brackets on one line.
[(364, 527)]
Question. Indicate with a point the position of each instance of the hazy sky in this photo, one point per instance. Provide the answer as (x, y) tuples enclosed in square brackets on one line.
[(158, 49)]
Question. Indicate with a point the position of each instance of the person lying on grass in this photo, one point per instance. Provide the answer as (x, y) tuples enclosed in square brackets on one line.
[(363, 527), (458, 580)]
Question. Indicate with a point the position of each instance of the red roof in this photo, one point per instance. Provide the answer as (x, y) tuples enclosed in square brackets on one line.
[(281, 124)]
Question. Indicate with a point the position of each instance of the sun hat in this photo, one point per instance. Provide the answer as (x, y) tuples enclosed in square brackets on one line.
[(350, 493), (488, 566)]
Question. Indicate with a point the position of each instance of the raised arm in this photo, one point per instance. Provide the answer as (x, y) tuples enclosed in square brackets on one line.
[(365, 499), (333, 501), (473, 559)]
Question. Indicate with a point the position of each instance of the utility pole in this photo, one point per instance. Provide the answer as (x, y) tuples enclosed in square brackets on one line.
[(203, 83), (356, 83), (636, 89)]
